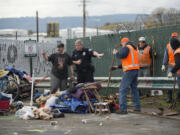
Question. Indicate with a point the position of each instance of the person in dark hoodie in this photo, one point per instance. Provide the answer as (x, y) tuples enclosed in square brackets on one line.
[(169, 62), (130, 65), (175, 44)]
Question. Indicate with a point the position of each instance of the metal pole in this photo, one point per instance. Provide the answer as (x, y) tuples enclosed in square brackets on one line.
[(16, 35), (32, 89), (153, 48), (37, 26), (84, 18), (97, 31), (31, 66)]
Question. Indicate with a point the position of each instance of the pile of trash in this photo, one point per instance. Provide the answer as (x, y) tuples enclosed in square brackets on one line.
[(31, 112), (69, 101), (15, 82), (55, 105)]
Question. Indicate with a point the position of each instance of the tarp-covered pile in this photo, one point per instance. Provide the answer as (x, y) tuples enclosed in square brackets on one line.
[(72, 100)]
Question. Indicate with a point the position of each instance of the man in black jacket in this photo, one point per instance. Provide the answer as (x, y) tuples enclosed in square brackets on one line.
[(175, 44), (81, 57)]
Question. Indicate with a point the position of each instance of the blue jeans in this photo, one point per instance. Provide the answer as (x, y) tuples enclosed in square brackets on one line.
[(129, 80), (169, 92)]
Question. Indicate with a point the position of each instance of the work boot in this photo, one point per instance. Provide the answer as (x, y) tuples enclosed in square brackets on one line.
[(121, 112), (178, 100), (136, 110), (169, 101)]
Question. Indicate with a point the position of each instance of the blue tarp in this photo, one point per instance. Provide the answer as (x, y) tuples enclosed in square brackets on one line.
[(4, 97), (72, 104), (15, 71)]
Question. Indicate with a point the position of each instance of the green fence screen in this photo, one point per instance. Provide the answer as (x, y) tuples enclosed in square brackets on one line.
[(106, 43)]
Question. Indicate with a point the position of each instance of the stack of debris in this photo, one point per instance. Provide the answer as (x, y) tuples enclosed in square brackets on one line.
[(72, 100)]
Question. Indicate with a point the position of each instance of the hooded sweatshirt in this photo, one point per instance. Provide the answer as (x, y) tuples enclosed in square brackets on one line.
[(175, 43)]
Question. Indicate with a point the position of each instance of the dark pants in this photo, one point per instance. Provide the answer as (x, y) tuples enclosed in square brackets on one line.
[(83, 77), (58, 84), (170, 92), (144, 72)]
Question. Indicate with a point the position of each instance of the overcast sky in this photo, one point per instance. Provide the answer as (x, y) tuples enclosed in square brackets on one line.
[(59, 8)]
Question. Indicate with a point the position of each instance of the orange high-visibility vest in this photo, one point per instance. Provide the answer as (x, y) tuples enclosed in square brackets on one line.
[(177, 51), (171, 61), (131, 61), (145, 59)]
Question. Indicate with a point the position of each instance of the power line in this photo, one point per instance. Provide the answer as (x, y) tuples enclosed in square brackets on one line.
[(84, 18)]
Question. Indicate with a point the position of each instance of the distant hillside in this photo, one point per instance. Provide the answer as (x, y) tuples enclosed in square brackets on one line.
[(29, 23)]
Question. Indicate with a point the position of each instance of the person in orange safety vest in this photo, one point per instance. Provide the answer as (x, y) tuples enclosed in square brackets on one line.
[(175, 45), (145, 57), (145, 61), (130, 65), (169, 61)]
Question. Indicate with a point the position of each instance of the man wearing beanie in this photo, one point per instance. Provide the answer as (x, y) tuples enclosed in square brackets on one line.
[(169, 61), (175, 44)]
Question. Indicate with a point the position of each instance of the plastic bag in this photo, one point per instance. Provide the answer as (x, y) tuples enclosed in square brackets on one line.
[(26, 113), (50, 102)]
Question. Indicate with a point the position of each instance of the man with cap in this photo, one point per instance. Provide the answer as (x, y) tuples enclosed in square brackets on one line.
[(145, 61), (129, 59), (169, 61), (82, 59), (60, 63), (175, 45), (145, 57)]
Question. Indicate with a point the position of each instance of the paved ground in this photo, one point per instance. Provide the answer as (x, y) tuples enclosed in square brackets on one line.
[(131, 124)]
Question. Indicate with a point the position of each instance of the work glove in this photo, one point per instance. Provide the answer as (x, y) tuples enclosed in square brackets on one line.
[(43, 52), (115, 51), (163, 68), (170, 75), (114, 68), (100, 55), (154, 53), (72, 78)]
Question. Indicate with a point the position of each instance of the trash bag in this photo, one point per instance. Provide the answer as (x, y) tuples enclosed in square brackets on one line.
[(51, 101), (26, 113)]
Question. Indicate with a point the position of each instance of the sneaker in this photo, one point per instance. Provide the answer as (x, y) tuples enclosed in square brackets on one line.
[(121, 112)]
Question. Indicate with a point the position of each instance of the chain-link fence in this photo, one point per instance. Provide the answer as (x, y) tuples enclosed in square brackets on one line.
[(106, 43)]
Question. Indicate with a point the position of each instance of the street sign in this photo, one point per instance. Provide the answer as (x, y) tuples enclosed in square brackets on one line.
[(30, 48)]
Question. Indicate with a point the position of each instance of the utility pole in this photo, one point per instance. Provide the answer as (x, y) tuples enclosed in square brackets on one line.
[(97, 30), (16, 35), (84, 18), (37, 26)]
